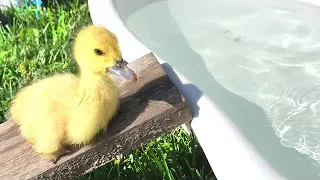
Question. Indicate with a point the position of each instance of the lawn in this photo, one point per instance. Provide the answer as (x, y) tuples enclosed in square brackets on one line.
[(33, 48)]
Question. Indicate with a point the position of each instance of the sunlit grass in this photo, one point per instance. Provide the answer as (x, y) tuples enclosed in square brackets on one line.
[(32, 48), (173, 156)]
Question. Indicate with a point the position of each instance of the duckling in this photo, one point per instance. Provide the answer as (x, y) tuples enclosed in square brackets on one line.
[(67, 109)]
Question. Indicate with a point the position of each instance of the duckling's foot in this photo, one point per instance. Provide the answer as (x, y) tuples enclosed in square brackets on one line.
[(30, 140), (54, 157), (51, 157)]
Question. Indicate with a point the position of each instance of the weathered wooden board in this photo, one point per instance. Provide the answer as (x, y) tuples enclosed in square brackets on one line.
[(148, 109)]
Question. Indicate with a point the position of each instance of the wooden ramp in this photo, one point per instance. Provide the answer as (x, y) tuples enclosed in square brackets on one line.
[(148, 109)]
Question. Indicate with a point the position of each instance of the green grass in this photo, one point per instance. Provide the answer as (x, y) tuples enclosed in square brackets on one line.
[(173, 156), (34, 48)]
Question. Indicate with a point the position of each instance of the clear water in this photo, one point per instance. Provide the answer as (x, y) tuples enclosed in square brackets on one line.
[(258, 60)]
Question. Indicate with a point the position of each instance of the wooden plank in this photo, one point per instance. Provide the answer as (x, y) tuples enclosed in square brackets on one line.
[(148, 109)]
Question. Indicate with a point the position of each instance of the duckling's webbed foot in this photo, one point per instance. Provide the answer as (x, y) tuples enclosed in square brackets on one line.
[(54, 157)]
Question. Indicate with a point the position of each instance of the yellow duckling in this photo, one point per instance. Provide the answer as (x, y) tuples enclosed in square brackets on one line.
[(69, 109)]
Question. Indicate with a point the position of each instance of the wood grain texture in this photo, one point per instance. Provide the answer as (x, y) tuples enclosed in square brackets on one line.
[(148, 109)]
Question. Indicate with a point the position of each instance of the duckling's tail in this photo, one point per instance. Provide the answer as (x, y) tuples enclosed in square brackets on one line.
[(9, 115)]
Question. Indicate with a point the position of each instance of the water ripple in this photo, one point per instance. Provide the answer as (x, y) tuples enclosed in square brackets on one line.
[(267, 52)]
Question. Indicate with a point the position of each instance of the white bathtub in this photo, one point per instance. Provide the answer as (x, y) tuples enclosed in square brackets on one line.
[(235, 149)]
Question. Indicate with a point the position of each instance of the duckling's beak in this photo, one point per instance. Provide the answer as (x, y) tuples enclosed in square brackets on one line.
[(121, 69)]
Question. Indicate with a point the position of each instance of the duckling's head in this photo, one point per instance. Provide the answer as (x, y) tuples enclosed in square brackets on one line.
[(97, 51)]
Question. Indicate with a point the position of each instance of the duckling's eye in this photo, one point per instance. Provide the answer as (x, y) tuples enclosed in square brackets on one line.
[(98, 52)]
